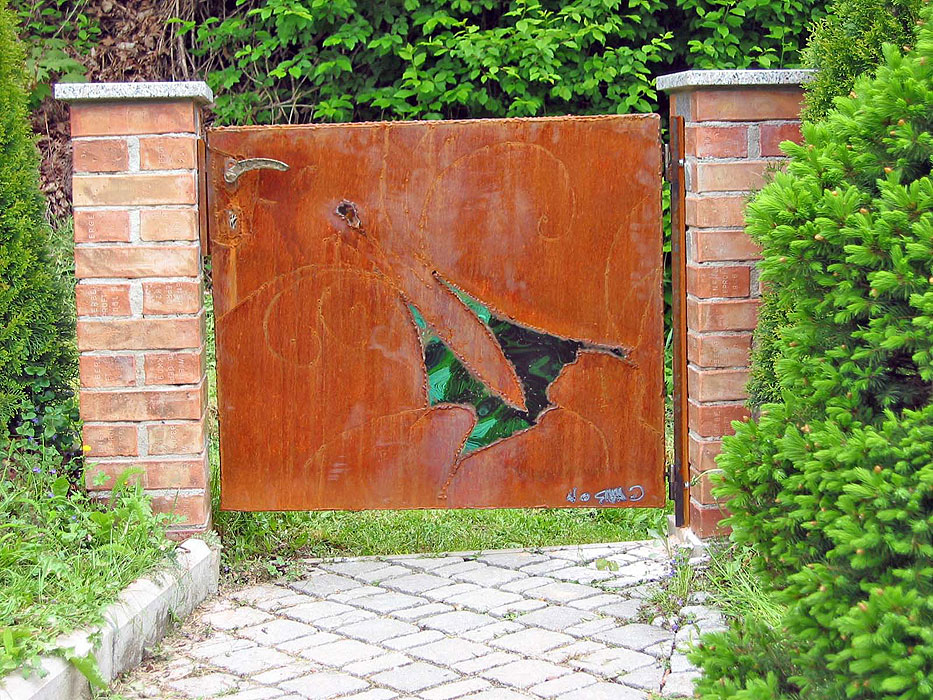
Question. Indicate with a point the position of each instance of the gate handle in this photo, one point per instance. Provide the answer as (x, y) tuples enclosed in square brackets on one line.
[(237, 167)]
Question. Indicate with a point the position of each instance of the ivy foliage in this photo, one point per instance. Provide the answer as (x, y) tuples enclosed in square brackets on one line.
[(834, 484), (37, 355), (274, 61)]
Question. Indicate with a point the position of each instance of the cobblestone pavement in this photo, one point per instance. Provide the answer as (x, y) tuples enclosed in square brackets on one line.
[(558, 623)]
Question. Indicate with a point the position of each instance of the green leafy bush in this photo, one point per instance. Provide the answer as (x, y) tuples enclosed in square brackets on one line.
[(37, 354), (293, 61), (834, 484)]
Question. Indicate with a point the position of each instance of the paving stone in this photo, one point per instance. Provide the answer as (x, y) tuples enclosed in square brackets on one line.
[(525, 673), (417, 583), (572, 651), (624, 610), (453, 571), (419, 611), (325, 684), (449, 651), (294, 646), (255, 694), (389, 602), (681, 664), (679, 685), (386, 573), (356, 593), (646, 678), (355, 567), (457, 621), (563, 684), (246, 662), (487, 632), (318, 610), (555, 617), (523, 585), (563, 592), (430, 563), (661, 650), (277, 631), (497, 658), (340, 621), (453, 589), (341, 653), (605, 691), (489, 575), (378, 630), (518, 607), (635, 636), (483, 599), (218, 644), (596, 601), (512, 560), (372, 694), (263, 592), (414, 677), (413, 640), (612, 662), (273, 605), (545, 567), (496, 694), (532, 641), (456, 689), (391, 659), (588, 628), (235, 618), (581, 574), (325, 584), (206, 686), (284, 673)]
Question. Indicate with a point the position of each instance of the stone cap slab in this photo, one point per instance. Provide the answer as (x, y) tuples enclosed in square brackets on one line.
[(688, 79), (196, 90)]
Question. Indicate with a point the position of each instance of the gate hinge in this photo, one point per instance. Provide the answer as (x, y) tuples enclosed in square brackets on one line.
[(670, 166)]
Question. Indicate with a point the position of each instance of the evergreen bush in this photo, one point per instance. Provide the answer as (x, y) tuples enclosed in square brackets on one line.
[(37, 352), (834, 484)]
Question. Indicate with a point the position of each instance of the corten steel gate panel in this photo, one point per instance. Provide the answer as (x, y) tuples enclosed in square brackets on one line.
[(323, 272)]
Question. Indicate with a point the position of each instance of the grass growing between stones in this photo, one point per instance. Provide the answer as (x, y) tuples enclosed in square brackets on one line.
[(266, 544)]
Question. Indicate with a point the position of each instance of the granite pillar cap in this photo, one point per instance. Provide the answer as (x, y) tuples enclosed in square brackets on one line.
[(692, 79), (196, 90)]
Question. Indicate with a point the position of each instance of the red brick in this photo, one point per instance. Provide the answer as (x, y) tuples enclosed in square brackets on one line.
[(110, 440), (714, 419), (176, 438), (703, 453), (152, 404), (193, 509), (722, 315), (174, 367), (732, 176), (118, 190), (157, 474), (101, 226), (168, 225), (701, 488), (168, 153), (140, 334), (107, 370), (714, 281), (704, 520), (102, 299), (716, 212), (112, 119), (137, 261), (718, 349), (172, 297), (747, 104), (773, 134), (721, 246), (716, 141), (100, 156), (716, 384)]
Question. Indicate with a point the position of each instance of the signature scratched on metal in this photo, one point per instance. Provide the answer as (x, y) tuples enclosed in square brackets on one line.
[(611, 496)]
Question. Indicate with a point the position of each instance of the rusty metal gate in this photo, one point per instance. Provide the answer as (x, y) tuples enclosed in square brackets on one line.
[(347, 258)]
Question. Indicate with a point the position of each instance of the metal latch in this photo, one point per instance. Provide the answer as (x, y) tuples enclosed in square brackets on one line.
[(235, 168)]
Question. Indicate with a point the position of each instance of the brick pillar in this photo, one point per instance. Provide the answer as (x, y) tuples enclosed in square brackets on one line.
[(139, 293), (734, 121)]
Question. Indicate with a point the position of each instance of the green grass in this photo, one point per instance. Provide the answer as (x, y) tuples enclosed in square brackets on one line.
[(64, 556), (259, 544), (737, 589)]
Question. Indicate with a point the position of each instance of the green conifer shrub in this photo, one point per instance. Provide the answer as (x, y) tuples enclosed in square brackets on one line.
[(833, 485), (37, 354)]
